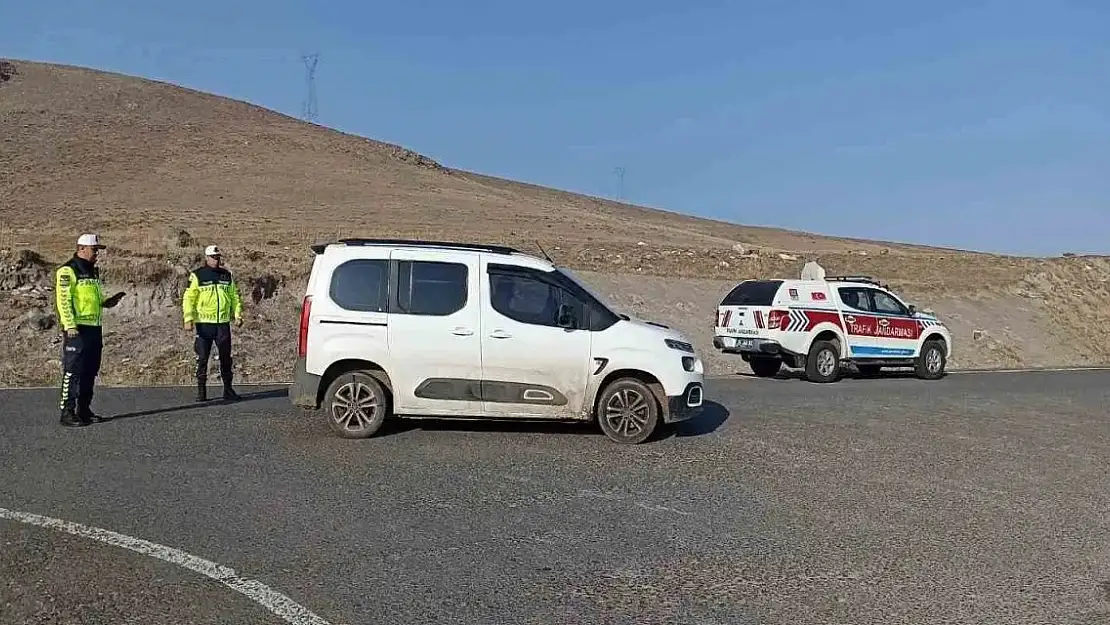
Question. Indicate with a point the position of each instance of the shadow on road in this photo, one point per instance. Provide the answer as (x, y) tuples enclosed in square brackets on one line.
[(193, 405), (792, 374), (713, 415)]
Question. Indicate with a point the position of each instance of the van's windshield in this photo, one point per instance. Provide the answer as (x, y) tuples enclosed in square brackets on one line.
[(570, 275)]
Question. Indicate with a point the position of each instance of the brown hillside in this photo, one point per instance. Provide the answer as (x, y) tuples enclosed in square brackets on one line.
[(138, 161), (143, 155)]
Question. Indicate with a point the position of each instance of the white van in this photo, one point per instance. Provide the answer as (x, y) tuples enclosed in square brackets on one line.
[(453, 330)]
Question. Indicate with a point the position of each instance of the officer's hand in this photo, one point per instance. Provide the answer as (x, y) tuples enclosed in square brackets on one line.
[(239, 322), (71, 333), (188, 325)]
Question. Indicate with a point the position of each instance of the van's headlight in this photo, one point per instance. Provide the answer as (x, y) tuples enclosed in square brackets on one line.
[(680, 346)]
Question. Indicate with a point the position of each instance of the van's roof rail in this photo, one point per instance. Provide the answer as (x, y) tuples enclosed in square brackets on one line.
[(318, 248)]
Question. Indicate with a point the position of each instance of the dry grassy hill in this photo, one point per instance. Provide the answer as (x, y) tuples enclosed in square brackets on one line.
[(160, 170)]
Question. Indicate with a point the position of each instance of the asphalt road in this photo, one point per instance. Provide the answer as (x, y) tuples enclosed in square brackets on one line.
[(975, 499)]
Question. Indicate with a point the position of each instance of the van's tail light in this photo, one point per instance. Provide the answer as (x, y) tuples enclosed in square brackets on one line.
[(302, 336), (778, 319)]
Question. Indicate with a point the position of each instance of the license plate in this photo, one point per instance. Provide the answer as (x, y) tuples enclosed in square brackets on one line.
[(745, 343)]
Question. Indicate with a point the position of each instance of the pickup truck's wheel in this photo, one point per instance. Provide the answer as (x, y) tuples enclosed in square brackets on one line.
[(931, 361), (823, 362), (356, 405), (765, 367), (627, 411)]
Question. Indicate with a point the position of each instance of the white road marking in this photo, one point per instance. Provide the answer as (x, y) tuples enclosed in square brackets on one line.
[(289, 610)]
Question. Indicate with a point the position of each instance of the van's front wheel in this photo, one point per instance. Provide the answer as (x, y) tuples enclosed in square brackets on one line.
[(356, 405), (627, 411)]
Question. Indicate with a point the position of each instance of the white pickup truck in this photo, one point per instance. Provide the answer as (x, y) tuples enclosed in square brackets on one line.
[(817, 325)]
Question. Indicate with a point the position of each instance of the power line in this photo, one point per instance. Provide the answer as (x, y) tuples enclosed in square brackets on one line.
[(308, 109)]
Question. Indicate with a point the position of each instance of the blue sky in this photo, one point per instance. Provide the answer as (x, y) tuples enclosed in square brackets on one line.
[(981, 125)]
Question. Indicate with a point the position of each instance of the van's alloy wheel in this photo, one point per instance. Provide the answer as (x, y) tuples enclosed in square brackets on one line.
[(356, 405), (628, 412)]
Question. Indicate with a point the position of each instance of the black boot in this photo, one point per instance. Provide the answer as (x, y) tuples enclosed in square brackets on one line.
[(230, 394), (88, 416), (202, 391), (71, 420)]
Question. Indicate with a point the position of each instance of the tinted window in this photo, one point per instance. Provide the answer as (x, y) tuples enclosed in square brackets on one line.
[(886, 304), (431, 288), (753, 293), (524, 299), (360, 285), (533, 296), (855, 297)]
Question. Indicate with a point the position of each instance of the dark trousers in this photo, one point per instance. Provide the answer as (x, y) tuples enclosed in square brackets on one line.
[(207, 334), (80, 366)]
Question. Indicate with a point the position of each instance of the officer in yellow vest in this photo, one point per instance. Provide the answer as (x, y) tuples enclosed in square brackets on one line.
[(79, 301), (210, 302)]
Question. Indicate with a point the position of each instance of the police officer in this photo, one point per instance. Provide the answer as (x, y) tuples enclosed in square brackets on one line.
[(209, 304), (79, 303)]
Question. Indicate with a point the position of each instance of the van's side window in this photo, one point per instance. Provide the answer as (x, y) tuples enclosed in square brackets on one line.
[(524, 299), (431, 287), (360, 285)]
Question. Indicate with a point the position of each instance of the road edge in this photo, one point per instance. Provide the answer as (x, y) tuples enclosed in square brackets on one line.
[(716, 376)]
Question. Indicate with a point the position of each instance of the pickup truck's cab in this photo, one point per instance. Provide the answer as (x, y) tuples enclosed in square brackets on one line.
[(429, 329), (816, 325)]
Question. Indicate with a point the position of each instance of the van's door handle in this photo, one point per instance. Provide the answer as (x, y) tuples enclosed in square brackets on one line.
[(500, 334), (462, 332)]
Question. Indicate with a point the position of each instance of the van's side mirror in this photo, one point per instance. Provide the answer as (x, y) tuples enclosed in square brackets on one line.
[(565, 317)]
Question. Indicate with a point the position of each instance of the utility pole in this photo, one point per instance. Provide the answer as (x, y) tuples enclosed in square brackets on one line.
[(308, 109), (619, 171)]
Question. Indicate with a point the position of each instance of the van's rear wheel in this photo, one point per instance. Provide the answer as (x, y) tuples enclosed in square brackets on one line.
[(765, 367), (356, 405), (627, 411)]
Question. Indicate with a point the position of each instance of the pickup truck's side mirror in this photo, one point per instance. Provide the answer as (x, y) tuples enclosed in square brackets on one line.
[(565, 317), (913, 309)]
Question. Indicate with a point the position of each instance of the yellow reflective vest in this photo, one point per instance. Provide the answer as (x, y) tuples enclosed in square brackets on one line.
[(211, 297), (78, 297)]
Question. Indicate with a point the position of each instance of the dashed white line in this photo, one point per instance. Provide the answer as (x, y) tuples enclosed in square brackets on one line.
[(281, 605)]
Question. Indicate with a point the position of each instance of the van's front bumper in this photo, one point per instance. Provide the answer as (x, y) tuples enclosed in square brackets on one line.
[(685, 406), (305, 390)]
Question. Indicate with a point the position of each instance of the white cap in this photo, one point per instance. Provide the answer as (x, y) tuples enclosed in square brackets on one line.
[(90, 240), (212, 250)]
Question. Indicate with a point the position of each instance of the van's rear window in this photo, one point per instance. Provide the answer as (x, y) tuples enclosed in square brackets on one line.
[(753, 293)]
